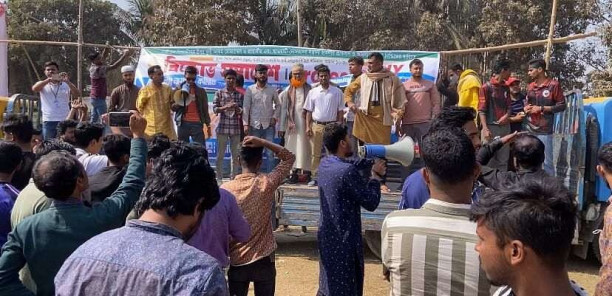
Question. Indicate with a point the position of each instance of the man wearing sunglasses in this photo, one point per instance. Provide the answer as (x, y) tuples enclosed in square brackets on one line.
[(191, 109)]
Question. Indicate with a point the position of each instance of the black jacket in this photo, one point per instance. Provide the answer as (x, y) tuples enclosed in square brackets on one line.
[(201, 102), (495, 178)]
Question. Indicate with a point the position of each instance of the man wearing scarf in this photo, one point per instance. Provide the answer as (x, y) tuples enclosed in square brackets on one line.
[(382, 98), (292, 122)]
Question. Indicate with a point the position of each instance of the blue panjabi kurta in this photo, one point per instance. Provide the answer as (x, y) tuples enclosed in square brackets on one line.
[(343, 191)]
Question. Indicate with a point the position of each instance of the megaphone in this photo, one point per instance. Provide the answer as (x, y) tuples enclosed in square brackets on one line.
[(185, 88), (402, 151)]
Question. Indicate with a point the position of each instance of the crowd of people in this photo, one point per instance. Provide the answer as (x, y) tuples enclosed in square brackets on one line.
[(140, 210)]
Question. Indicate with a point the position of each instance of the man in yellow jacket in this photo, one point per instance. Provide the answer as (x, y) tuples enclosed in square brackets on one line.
[(468, 86), (154, 102)]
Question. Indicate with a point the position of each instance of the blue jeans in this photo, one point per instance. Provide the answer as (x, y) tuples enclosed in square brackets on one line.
[(193, 130), (49, 129), (267, 134), (99, 108), (548, 153)]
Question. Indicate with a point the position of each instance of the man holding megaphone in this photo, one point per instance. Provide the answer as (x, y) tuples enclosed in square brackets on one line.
[(343, 191)]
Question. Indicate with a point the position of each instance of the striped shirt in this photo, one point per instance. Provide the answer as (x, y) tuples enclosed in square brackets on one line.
[(507, 291), (430, 251)]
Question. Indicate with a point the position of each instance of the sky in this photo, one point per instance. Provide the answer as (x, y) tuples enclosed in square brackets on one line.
[(122, 3)]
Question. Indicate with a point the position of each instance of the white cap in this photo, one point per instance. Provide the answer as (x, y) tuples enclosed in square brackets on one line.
[(128, 68)]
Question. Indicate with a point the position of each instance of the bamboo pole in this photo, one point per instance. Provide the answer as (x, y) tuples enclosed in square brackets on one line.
[(551, 32), (299, 25), (61, 43), (519, 45), (448, 52), (80, 49)]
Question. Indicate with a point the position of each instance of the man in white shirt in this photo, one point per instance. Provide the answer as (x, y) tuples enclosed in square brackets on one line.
[(324, 105), (55, 94), (261, 109), (88, 142)]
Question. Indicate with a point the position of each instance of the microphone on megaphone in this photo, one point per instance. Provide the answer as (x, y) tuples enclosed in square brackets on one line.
[(402, 151)]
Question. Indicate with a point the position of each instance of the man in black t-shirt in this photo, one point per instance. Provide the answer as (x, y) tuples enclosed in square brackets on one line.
[(18, 128), (104, 183)]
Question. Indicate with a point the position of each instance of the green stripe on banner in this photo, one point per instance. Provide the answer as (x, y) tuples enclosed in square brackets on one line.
[(273, 50)]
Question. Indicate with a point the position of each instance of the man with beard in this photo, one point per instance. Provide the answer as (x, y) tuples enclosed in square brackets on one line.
[(544, 99), (65, 131), (422, 103), (382, 98), (55, 92), (525, 234), (343, 191), (123, 97), (261, 110), (292, 122), (68, 223), (150, 256), (154, 102)]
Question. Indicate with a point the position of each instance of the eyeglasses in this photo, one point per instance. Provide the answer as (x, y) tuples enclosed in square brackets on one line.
[(190, 79)]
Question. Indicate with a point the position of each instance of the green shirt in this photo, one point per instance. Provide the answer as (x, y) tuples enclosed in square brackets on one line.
[(45, 240)]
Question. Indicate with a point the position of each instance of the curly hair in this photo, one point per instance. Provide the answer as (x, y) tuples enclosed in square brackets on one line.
[(47, 146), (158, 144), (180, 181), (449, 155), (63, 126)]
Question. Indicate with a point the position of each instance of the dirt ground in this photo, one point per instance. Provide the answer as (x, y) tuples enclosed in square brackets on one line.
[(297, 265)]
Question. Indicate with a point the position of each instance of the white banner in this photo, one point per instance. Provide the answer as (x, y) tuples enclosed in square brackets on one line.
[(211, 61)]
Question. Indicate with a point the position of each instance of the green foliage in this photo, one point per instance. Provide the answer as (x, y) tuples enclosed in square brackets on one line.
[(57, 20), (335, 24)]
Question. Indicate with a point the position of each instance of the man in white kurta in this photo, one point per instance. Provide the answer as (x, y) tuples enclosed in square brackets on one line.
[(292, 122)]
